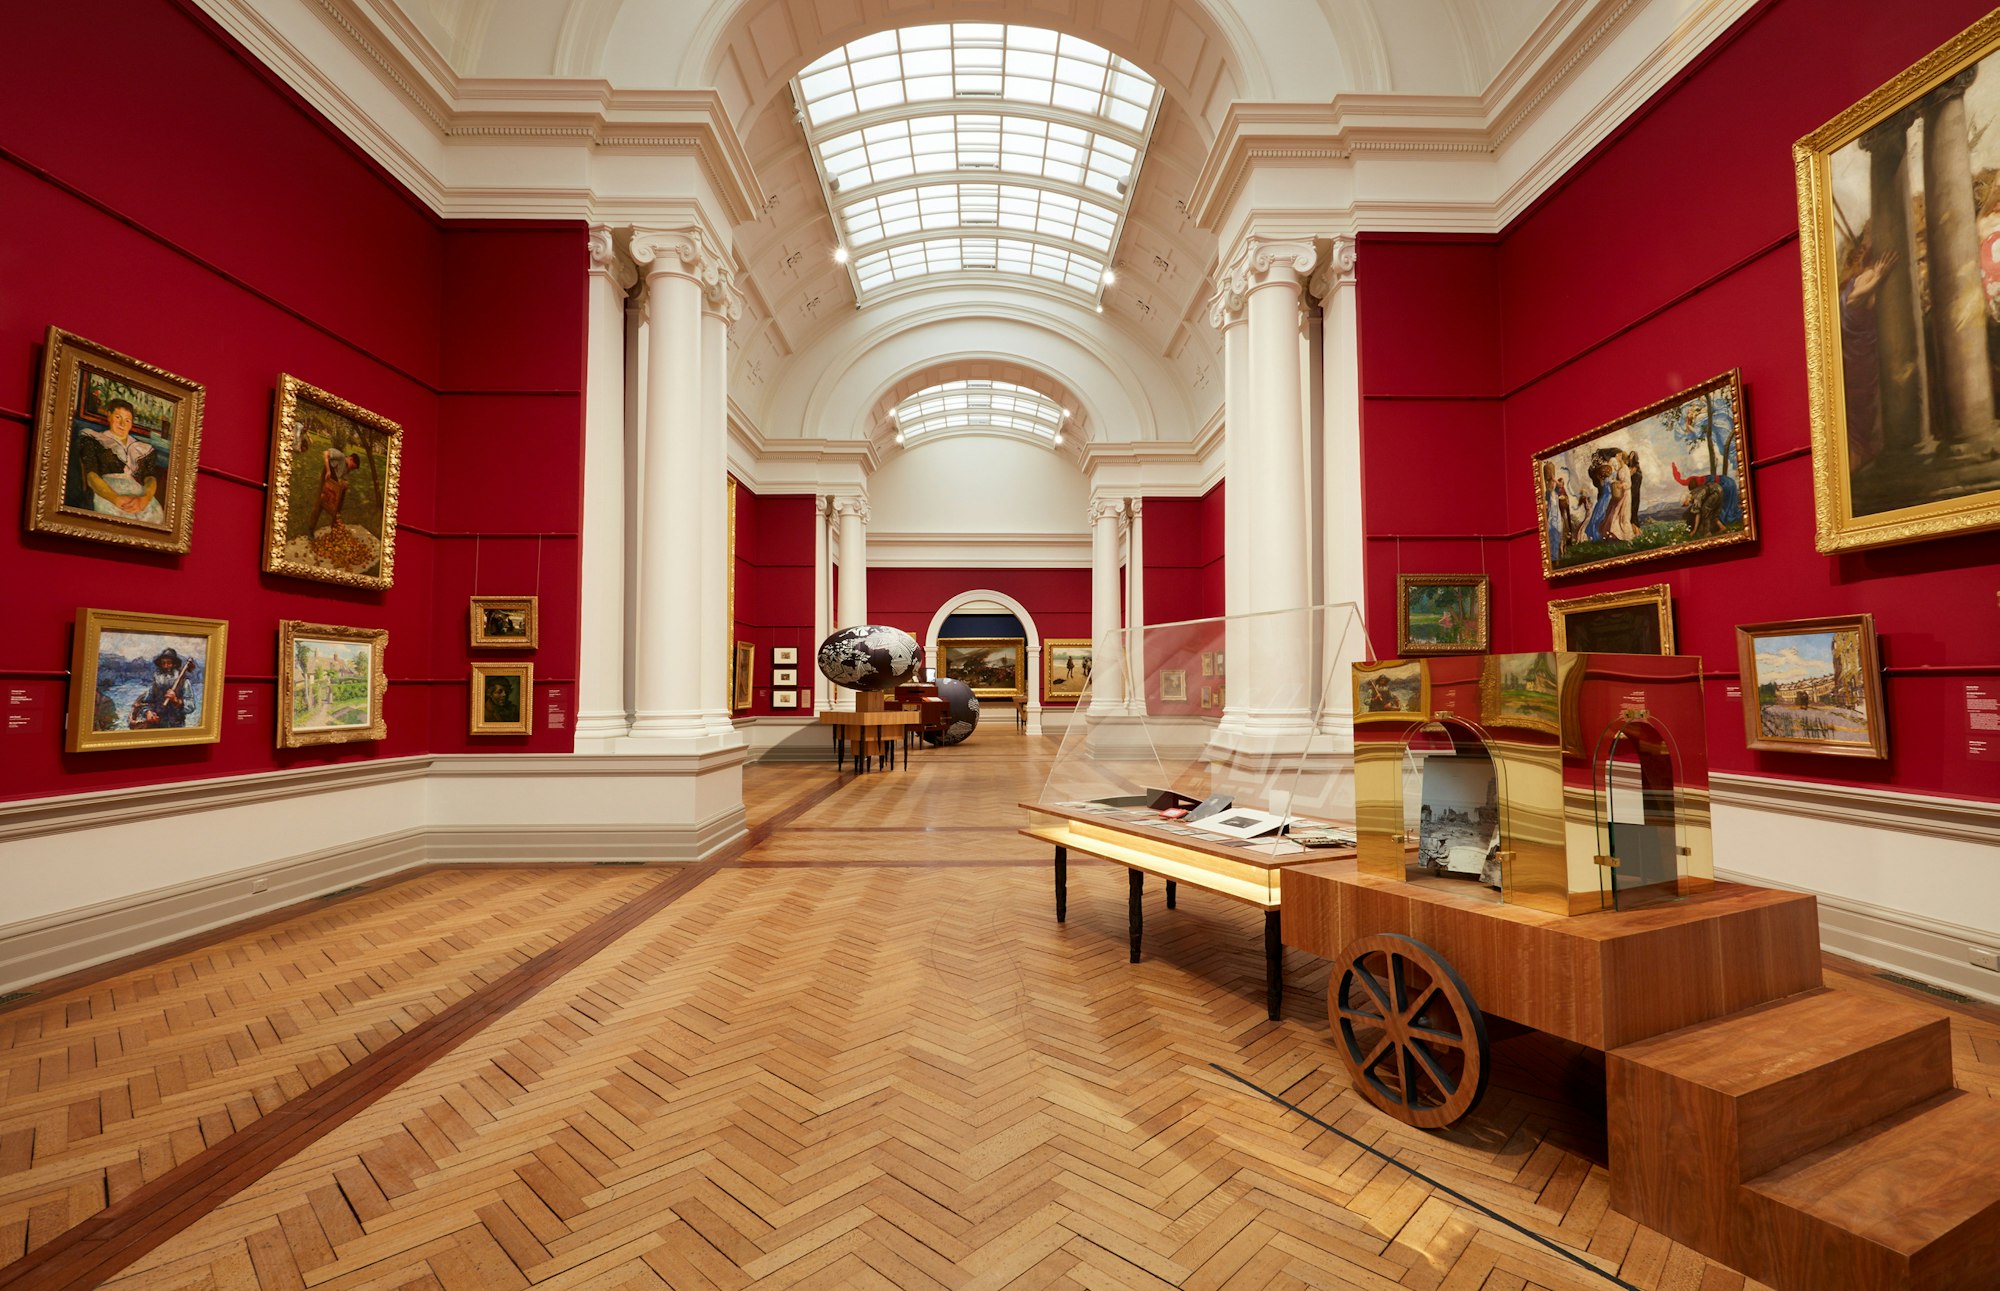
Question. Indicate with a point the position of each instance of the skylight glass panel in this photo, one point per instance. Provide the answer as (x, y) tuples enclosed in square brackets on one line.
[(979, 405), (927, 137)]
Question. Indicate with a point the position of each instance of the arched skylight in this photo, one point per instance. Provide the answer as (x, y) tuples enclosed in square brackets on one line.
[(978, 405), (977, 147)]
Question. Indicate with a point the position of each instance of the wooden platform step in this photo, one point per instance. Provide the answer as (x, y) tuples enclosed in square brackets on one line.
[(1911, 1202)]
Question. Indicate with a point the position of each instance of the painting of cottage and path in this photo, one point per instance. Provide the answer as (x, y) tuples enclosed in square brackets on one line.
[(1664, 480), (1811, 687)]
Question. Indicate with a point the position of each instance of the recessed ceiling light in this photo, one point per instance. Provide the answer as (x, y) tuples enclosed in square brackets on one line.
[(1065, 414), (840, 255), (1100, 306), (1059, 439), (1110, 276)]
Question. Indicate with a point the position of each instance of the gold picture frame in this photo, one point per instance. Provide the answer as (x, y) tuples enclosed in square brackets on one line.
[(323, 670), (501, 694), (1432, 613), (145, 680), (1813, 686), (992, 666), (1591, 489), (742, 676), (1904, 442), (105, 423), (1638, 620), (1385, 691), (504, 622), (1523, 690), (322, 449), (1066, 664), (1173, 686)]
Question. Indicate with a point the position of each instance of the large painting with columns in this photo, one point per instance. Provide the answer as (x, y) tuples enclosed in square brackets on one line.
[(1899, 230)]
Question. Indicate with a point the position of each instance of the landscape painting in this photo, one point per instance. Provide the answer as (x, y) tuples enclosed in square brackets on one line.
[(1663, 481), (505, 622), (334, 480), (330, 684), (1813, 686), (1899, 206), (1442, 613), (144, 680), (1521, 690), (1397, 690), (1065, 670), (990, 665)]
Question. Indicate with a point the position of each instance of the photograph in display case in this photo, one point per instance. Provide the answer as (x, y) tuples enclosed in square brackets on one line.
[(1173, 686), (1442, 613), (1668, 479), (992, 666), (1065, 669), (1896, 210), (1813, 686), (145, 680), (742, 675), (116, 444), (1639, 620), (505, 622), (330, 684), (1392, 690), (500, 695), (335, 471)]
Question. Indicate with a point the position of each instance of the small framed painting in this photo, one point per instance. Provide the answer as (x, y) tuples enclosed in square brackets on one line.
[(145, 680), (784, 699), (500, 698), (992, 665), (505, 622), (335, 471), (1173, 686), (330, 684), (115, 446), (742, 675), (1639, 620), (785, 655), (1394, 690), (1442, 614), (1065, 669), (784, 676), (1522, 690), (1813, 686), (1208, 663)]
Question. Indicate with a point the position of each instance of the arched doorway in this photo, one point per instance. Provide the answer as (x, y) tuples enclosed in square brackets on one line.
[(1031, 684)]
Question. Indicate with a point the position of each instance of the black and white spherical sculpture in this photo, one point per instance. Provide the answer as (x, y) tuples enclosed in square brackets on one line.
[(961, 714), (867, 657)]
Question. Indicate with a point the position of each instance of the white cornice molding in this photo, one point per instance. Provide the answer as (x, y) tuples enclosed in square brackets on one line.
[(912, 550)]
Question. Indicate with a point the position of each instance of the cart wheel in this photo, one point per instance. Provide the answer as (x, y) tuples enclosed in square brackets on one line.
[(1414, 1041)]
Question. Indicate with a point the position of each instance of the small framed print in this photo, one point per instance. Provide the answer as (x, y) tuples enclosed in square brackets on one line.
[(742, 679), (1813, 686), (500, 694), (330, 684), (784, 699), (785, 655), (115, 446), (145, 680), (1207, 665), (1173, 686), (505, 622), (1442, 614), (1393, 690), (784, 676)]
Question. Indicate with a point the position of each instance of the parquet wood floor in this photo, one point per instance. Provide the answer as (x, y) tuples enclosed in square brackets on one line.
[(863, 1054)]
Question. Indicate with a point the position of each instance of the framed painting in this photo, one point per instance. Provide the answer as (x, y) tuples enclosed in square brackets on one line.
[(784, 699), (500, 693), (330, 684), (1173, 686), (1896, 219), (335, 468), (505, 622), (785, 655), (742, 675), (1442, 614), (1065, 669), (1813, 686), (1208, 663), (145, 680), (116, 443), (1639, 620), (1394, 690), (1666, 480), (784, 676), (1521, 690), (992, 666)]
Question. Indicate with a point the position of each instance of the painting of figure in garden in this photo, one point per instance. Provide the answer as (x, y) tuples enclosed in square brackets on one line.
[(1664, 480)]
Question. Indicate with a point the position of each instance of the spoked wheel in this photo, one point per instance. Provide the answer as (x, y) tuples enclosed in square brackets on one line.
[(1414, 1041)]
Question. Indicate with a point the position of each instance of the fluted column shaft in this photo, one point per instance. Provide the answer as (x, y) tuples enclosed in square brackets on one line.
[(851, 607), (601, 711), (719, 637), (1135, 601), (822, 602), (1107, 676), (1343, 567)]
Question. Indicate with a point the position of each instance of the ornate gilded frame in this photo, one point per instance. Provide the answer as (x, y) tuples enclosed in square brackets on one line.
[(480, 639), (742, 675), (291, 393), (485, 668), (1422, 713), (1836, 528), (1657, 595), (1049, 647), (64, 358), (1018, 645), (1869, 663), (290, 632), (1483, 587), (91, 625)]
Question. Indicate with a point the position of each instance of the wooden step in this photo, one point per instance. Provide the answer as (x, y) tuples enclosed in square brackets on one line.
[(1912, 1202), (1697, 1112)]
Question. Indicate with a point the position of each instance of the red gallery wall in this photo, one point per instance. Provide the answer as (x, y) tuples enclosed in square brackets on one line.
[(774, 591), (1183, 540), (1057, 599), (1666, 257), (229, 235)]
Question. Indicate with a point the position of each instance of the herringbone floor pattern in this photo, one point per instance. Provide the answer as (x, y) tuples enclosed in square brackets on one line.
[(865, 1055)]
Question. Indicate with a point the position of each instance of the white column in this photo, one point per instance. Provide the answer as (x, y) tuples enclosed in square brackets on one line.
[(1107, 676), (601, 713), (638, 345), (1274, 690), (721, 306), (1342, 564), (1135, 602), (1227, 316), (1033, 687), (851, 606), (822, 603), (667, 698)]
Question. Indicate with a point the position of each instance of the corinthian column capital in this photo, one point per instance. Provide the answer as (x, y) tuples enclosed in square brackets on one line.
[(1336, 269), (607, 260), (1278, 261), (852, 506), (685, 252), (1102, 509)]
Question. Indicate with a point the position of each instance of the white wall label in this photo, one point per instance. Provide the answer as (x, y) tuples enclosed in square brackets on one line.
[(558, 715), (1982, 724)]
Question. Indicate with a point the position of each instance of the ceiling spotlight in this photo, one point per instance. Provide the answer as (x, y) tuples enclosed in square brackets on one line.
[(1059, 439), (899, 438), (1100, 306), (1065, 414), (1110, 276), (840, 255)]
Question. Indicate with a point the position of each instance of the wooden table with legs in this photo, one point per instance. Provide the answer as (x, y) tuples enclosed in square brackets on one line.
[(874, 735), (1249, 874)]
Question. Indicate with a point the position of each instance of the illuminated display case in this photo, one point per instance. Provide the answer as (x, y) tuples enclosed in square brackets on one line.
[(1560, 781)]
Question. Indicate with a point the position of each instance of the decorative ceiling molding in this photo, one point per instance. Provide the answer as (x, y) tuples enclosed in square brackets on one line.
[(978, 550)]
